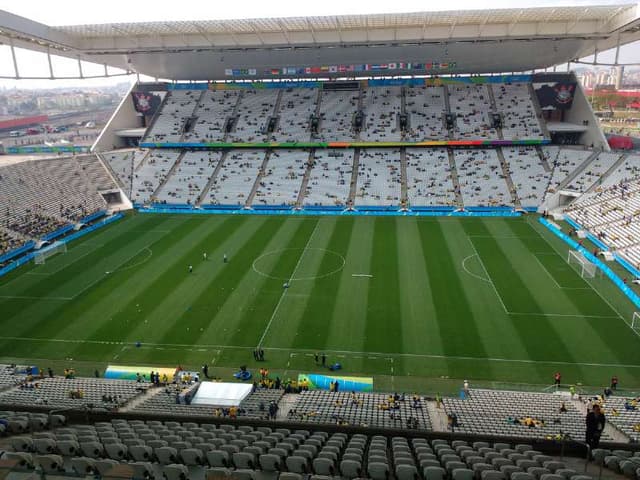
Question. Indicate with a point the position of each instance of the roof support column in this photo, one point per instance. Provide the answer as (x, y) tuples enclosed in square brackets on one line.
[(15, 60), (80, 68), (50, 64)]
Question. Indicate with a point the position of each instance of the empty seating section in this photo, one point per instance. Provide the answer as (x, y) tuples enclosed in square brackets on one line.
[(254, 110), (564, 162), (236, 177), (378, 177), (330, 177), (425, 107), (122, 165), (255, 405), (519, 118), (528, 174), (593, 172), (60, 392), (189, 178), (91, 166), (281, 182), (612, 215), (628, 170), (9, 377), (296, 108), (482, 182), (148, 177), (213, 111), (382, 107), (371, 410), (169, 122), (625, 418), (429, 177), (40, 196), (336, 115), (471, 105), (493, 412)]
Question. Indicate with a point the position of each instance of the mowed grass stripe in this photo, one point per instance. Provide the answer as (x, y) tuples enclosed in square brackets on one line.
[(456, 323), (157, 279), (537, 332), (253, 322), (25, 323)]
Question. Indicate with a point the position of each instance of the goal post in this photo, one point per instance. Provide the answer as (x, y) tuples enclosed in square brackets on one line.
[(635, 322), (40, 256), (587, 268)]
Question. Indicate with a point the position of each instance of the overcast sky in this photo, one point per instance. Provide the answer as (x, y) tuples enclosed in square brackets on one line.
[(68, 12)]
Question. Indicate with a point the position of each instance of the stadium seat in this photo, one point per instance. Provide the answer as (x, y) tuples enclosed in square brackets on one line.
[(175, 472), (83, 465)]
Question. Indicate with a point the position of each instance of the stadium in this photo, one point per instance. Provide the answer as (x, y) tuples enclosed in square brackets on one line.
[(382, 246)]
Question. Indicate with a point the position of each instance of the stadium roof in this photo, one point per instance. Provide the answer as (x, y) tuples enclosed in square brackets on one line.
[(464, 41)]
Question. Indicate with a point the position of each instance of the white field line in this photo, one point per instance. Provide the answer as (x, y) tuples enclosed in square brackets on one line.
[(385, 355), (464, 267), (488, 276), (285, 290)]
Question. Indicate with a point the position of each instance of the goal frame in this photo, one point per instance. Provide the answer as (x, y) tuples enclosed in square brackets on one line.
[(40, 257), (635, 322), (587, 268)]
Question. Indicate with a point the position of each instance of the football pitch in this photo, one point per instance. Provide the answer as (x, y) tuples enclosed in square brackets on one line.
[(417, 303)]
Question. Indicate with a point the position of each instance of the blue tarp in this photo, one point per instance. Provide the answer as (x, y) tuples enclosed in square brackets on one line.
[(625, 289), (58, 233), (18, 251), (93, 216)]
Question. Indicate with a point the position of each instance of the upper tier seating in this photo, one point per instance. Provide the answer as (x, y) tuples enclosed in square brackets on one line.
[(123, 163), (236, 177), (330, 178), (281, 182), (472, 106), (336, 112), (254, 110), (212, 111), (378, 177), (150, 175), (169, 122), (296, 108), (189, 178), (429, 177), (527, 174), (563, 161), (425, 107), (628, 170), (96, 174), (482, 182), (382, 107), (519, 119)]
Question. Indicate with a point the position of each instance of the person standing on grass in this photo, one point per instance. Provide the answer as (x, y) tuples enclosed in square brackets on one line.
[(557, 377), (190, 268), (595, 426), (225, 259), (614, 382), (324, 360), (204, 256)]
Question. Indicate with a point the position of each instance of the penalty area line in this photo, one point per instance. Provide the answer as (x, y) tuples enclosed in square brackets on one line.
[(361, 275)]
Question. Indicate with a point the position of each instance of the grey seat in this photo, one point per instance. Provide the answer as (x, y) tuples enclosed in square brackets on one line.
[(378, 470), (522, 476), (22, 444), (567, 473), (537, 471), (297, 464), (270, 463), (451, 466), (244, 460), (551, 476), (192, 456), (44, 446), (324, 466), (103, 465), (50, 463), (166, 455), (290, 476), (92, 449), (429, 463), (433, 473), (218, 458), (509, 470), (243, 474), (462, 474), (142, 470), (175, 471), (116, 451), (24, 459), (350, 468), (491, 475), (407, 472), (141, 453), (500, 462), (628, 468), (83, 465), (478, 468), (553, 465), (526, 464)]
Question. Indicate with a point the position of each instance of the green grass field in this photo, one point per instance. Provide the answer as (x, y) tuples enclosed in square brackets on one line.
[(419, 303)]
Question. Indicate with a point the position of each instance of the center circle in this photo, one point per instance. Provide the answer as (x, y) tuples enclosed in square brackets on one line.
[(336, 265)]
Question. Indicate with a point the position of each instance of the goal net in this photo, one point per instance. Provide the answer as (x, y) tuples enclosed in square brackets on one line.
[(41, 255), (587, 269), (635, 322)]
